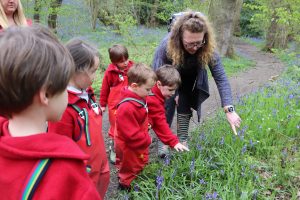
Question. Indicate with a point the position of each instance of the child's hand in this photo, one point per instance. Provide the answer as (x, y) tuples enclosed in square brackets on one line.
[(181, 147), (103, 109)]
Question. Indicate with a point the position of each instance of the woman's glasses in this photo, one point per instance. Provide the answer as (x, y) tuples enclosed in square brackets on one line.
[(194, 44)]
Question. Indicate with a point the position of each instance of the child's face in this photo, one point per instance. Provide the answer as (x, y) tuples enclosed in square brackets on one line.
[(144, 89), (86, 78), (57, 106), (122, 64), (166, 91)]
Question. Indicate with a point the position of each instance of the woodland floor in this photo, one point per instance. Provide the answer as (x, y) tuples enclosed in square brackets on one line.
[(266, 67)]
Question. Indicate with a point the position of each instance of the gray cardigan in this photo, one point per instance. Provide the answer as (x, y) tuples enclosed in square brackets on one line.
[(217, 71)]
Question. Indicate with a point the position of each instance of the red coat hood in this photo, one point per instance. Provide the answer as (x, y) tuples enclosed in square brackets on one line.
[(42, 147), (113, 68)]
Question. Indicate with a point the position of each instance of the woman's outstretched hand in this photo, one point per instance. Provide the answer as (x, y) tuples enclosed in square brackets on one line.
[(234, 120)]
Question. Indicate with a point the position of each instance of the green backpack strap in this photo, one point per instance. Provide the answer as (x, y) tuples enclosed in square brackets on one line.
[(35, 177), (136, 100), (84, 115)]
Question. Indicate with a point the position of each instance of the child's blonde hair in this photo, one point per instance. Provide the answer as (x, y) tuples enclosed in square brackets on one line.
[(140, 73)]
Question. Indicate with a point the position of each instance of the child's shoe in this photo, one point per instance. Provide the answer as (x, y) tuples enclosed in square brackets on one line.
[(124, 187)]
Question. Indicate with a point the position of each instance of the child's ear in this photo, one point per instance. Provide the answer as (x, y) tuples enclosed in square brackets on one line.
[(158, 83), (134, 85), (43, 96)]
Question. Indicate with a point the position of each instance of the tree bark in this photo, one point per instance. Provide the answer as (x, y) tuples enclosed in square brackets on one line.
[(277, 35), (222, 14), (52, 17), (94, 10), (153, 13), (37, 10)]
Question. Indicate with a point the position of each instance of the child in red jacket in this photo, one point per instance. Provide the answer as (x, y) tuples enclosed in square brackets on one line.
[(168, 79), (132, 139), (115, 78), (82, 120), (35, 164)]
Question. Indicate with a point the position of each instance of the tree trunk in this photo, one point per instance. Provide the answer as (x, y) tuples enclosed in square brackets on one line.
[(52, 17), (222, 14), (153, 13), (37, 10), (277, 35), (94, 9)]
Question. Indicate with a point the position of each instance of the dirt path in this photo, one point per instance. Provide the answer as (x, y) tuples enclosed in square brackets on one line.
[(243, 83)]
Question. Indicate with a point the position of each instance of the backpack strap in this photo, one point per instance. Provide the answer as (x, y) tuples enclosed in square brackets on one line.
[(84, 115), (136, 100), (36, 175)]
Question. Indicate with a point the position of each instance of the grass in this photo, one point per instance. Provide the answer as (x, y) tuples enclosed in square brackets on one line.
[(262, 162)]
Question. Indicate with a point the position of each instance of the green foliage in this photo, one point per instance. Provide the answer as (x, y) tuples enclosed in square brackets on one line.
[(169, 7), (258, 14), (262, 162)]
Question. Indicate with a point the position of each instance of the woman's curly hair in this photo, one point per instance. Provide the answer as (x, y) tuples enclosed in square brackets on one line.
[(195, 22)]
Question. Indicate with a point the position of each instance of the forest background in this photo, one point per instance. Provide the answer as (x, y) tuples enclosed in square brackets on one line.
[(263, 161)]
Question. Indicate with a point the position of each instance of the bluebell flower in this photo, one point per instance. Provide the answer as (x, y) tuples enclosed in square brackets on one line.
[(167, 160), (202, 182), (159, 181), (254, 194), (222, 141), (192, 166), (136, 188), (244, 149), (199, 147)]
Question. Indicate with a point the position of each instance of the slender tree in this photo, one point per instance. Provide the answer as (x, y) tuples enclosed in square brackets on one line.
[(223, 16), (37, 10), (53, 11)]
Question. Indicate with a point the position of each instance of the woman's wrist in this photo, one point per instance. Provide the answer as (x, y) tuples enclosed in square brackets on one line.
[(229, 109)]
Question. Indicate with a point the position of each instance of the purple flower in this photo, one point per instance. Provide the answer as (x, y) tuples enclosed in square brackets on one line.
[(192, 166), (222, 141), (199, 147), (291, 96), (211, 196), (136, 188), (159, 180), (244, 149), (202, 182), (167, 160)]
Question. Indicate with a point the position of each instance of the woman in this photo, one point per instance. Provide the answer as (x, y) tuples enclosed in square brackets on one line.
[(190, 46), (11, 14)]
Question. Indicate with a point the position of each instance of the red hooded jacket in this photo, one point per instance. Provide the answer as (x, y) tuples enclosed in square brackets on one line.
[(157, 118), (73, 126), (132, 139), (65, 177), (113, 77)]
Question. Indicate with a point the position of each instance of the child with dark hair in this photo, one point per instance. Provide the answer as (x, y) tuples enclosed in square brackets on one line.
[(115, 78), (82, 120), (35, 164)]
